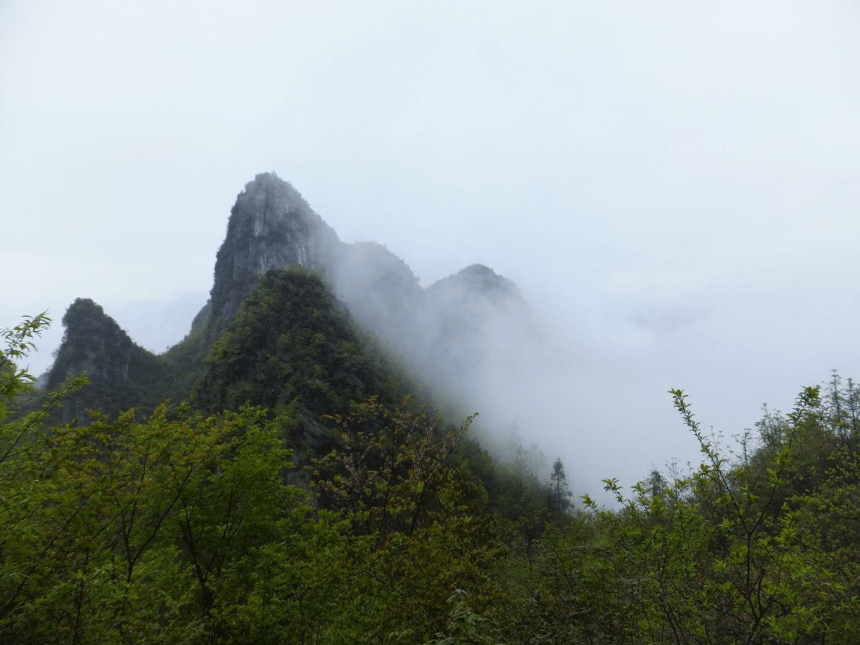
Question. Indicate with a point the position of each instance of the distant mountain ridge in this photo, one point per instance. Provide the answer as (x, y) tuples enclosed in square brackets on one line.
[(439, 331)]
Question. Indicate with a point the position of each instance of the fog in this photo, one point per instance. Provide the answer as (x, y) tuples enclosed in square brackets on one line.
[(671, 186)]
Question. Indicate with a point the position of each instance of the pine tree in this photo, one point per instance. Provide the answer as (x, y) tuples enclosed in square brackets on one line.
[(560, 495)]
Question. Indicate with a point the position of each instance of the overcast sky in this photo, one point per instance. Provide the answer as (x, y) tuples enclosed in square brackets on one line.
[(673, 185)]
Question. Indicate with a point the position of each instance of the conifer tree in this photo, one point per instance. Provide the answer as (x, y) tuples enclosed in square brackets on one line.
[(560, 495)]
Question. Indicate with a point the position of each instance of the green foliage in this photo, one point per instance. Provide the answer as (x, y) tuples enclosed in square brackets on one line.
[(427, 531), (143, 520), (293, 346), (464, 626), (759, 551), (19, 342), (181, 527)]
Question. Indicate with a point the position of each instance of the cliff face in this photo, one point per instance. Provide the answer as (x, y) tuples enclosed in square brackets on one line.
[(270, 226)]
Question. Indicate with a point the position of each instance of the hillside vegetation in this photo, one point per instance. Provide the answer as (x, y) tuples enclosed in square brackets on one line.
[(182, 526), (285, 474)]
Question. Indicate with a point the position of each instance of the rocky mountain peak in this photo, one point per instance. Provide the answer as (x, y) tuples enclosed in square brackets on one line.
[(270, 226), (121, 374), (93, 343)]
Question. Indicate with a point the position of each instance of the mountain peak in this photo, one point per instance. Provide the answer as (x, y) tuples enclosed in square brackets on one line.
[(268, 188), (478, 281), (270, 225), (118, 370), (94, 343)]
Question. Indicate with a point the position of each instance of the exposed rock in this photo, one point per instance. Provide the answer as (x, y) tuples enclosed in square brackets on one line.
[(270, 226)]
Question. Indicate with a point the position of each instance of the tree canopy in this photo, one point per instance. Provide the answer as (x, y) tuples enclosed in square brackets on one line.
[(193, 523)]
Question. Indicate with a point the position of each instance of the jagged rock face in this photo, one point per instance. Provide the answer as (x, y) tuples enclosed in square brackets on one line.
[(93, 343), (270, 226)]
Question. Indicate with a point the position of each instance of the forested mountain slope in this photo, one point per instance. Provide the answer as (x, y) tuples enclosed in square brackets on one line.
[(293, 347), (288, 491)]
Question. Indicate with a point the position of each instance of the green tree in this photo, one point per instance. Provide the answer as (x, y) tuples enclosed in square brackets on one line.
[(559, 491), (426, 527), (130, 530)]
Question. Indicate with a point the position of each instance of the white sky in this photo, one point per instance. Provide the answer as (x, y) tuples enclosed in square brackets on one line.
[(674, 185)]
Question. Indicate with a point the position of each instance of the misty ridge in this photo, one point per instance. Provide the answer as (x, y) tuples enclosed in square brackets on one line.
[(470, 337), (470, 340)]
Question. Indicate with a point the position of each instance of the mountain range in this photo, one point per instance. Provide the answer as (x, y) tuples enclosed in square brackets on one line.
[(300, 487), (280, 259)]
